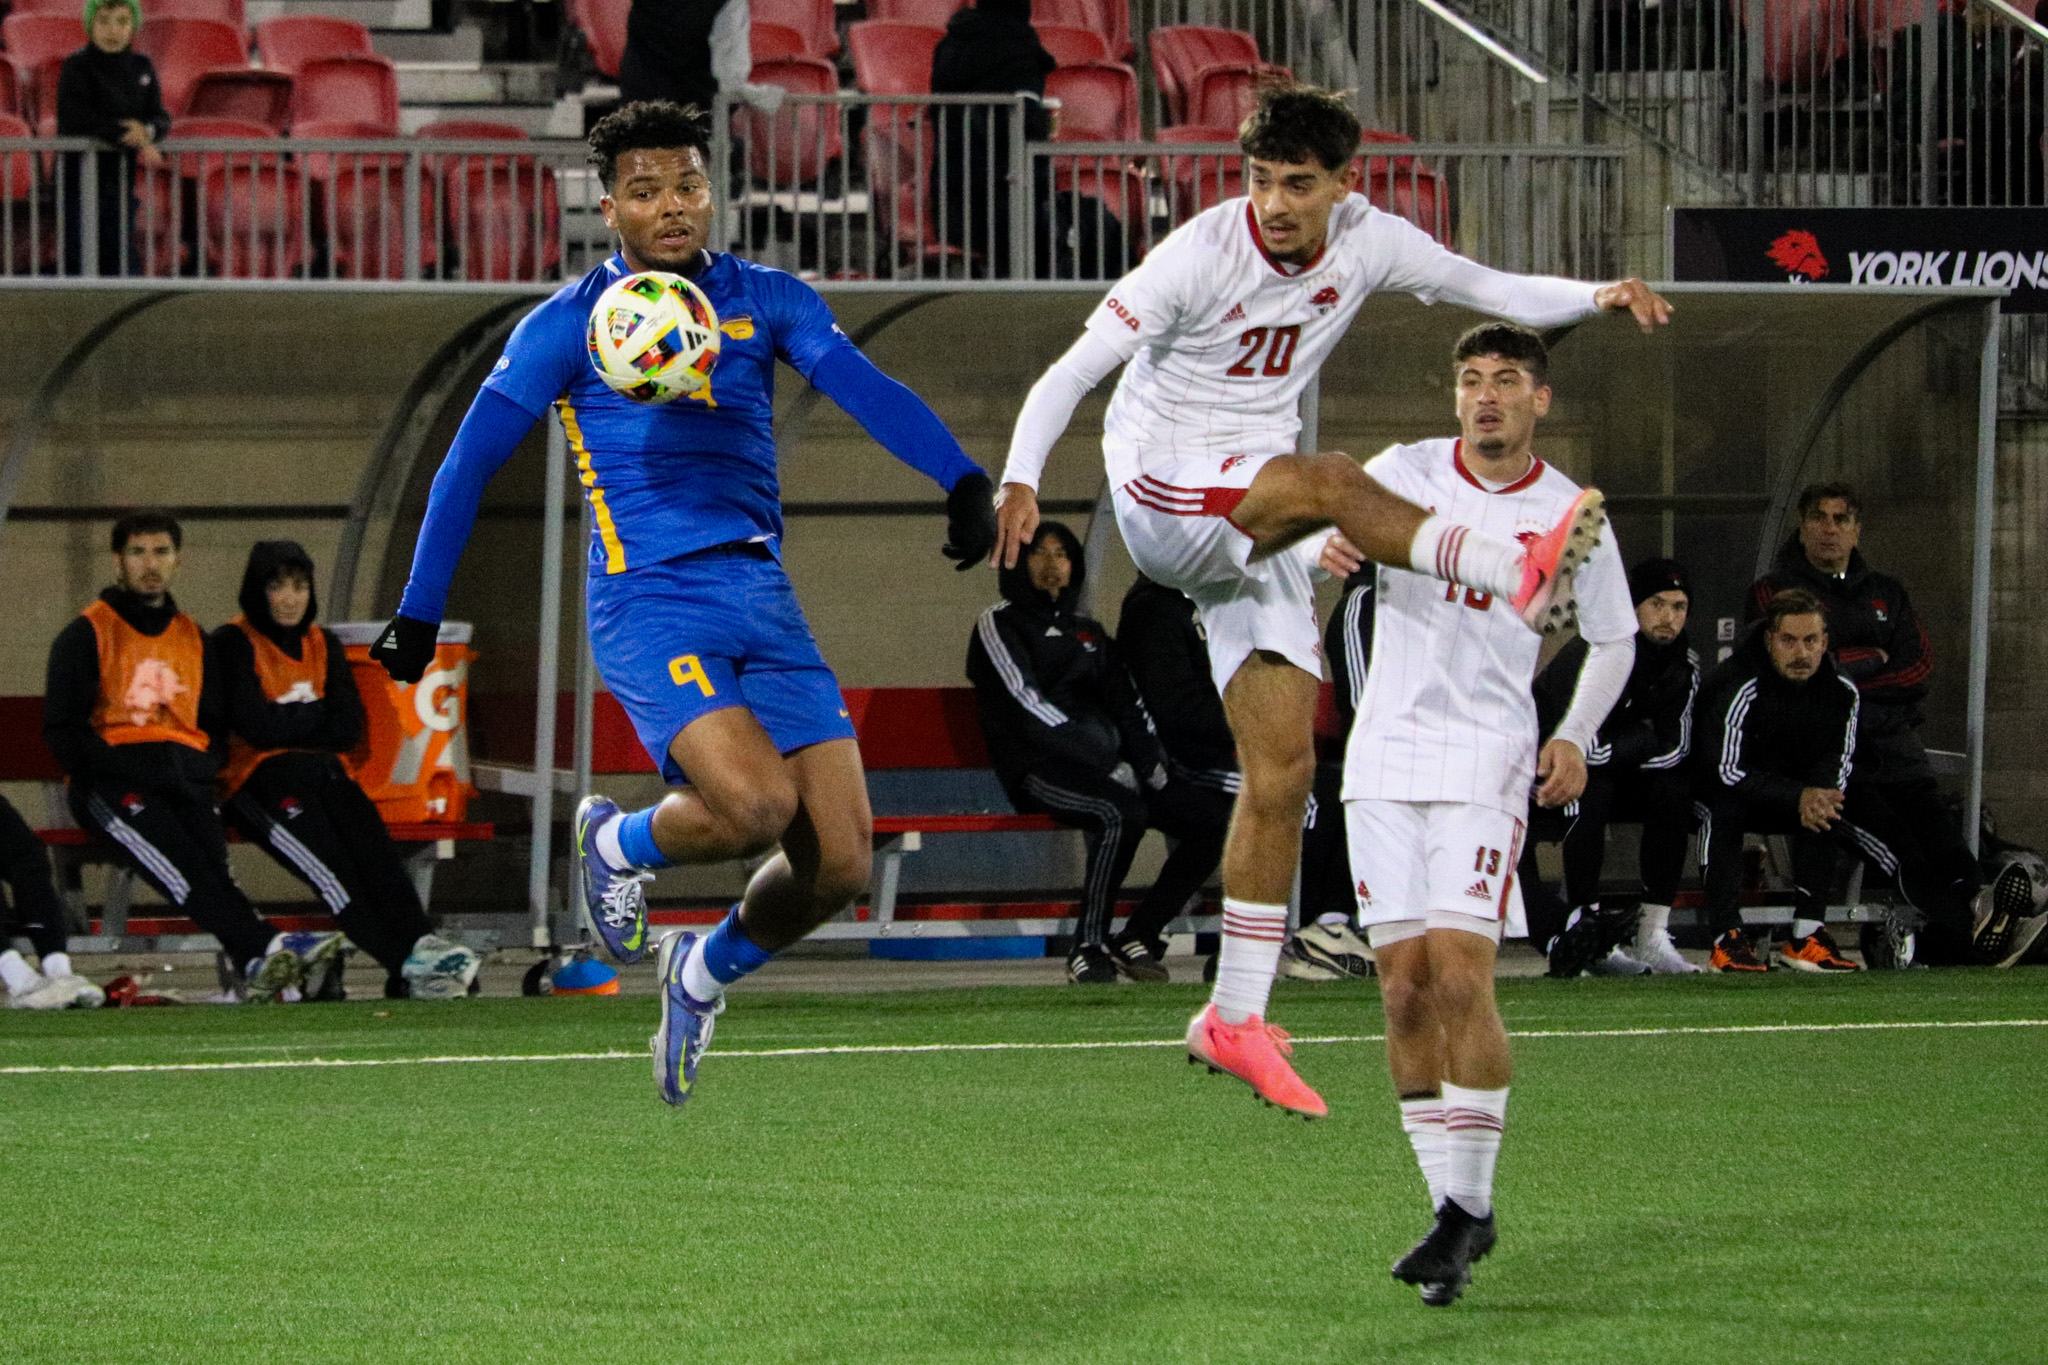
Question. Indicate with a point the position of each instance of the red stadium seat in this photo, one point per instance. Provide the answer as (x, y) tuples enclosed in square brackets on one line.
[(39, 100), (184, 49), (259, 96), (10, 89), (1223, 95), (359, 210), (1803, 39), (933, 13), (61, 7), (28, 239), (17, 169), (1181, 52), (1110, 22), (812, 18), (1072, 46), (229, 12), (1112, 19), (290, 41), (33, 39), (470, 129), (351, 88), (1403, 185), (1098, 103), (251, 224), (899, 149), (794, 145), (773, 42), (194, 165), (502, 214), (891, 58), (1201, 182), (604, 28)]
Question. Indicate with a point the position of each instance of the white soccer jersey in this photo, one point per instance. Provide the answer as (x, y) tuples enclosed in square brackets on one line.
[(1222, 337), (1447, 713)]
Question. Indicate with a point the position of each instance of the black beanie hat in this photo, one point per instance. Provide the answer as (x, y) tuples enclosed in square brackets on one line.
[(1653, 576)]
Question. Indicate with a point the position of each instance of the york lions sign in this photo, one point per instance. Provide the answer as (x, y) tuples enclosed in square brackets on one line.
[(1951, 248)]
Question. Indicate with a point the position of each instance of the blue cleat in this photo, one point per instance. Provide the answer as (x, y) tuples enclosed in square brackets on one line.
[(686, 1024), (616, 901), (320, 964)]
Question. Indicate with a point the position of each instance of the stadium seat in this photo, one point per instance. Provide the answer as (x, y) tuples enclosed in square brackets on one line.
[(359, 204), (1071, 46), (1201, 182), (351, 88), (934, 13), (1404, 186), (1181, 52), (252, 225), (773, 42), (891, 58), (1113, 21), (259, 96), (794, 145), (184, 49), (39, 100), (1098, 103), (899, 159), (501, 214), (812, 18), (194, 165), (10, 90), (290, 41), (33, 39), (1803, 39), (17, 169), (63, 7), (229, 12), (1223, 95), (28, 238), (604, 28), (1110, 21)]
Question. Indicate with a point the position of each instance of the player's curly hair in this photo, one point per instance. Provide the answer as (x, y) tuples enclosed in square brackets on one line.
[(645, 125), (1295, 123), (1509, 342)]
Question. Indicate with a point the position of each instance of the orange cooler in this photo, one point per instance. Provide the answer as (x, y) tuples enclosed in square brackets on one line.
[(414, 758)]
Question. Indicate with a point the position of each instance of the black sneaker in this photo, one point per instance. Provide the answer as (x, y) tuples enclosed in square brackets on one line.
[(2000, 907), (1889, 942), (1441, 1263), (1137, 961), (1579, 946), (1091, 965)]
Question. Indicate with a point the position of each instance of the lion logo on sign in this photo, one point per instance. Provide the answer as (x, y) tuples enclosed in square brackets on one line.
[(1798, 253)]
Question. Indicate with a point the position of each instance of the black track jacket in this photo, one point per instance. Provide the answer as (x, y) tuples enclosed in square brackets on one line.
[(1766, 737)]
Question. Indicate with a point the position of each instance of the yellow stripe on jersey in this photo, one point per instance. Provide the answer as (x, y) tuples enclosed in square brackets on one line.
[(600, 511)]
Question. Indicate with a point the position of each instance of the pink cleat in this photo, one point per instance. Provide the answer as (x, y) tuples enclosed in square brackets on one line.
[(1256, 1053), (1544, 601)]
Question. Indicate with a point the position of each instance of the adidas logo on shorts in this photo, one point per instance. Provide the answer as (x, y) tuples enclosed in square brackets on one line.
[(1478, 892)]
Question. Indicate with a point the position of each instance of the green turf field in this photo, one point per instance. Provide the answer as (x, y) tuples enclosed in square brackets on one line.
[(1848, 1195)]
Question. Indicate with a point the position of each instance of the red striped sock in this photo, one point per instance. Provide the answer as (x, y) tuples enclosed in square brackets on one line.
[(1457, 553), (1252, 938), (1472, 1127)]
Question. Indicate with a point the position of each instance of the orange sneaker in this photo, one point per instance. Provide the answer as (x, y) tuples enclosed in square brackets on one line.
[(1256, 1053), (1815, 953), (1544, 601), (1733, 952)]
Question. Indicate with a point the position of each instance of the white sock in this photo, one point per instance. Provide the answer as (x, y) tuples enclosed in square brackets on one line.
[(1330, 919), (1656, 920), (16, 972), (1423, 1122), (608, 847), (697, 978), (1448, 550), (1472, 1125), (1252, 937), (56, 965), (1805, 928)]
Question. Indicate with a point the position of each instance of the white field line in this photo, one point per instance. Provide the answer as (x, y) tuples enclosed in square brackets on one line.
[(886, 1049)]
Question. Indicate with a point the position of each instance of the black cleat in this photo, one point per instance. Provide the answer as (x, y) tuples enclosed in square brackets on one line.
[(1579, 946), (1999, 909), (1136, 960), (1091, 965), (1441, 1263)]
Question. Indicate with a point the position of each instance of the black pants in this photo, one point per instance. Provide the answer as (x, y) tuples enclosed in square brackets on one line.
[(1325, 853), (35, 912), (1114, 818), (1918, 842), (315, 821), (1658, 800), (175, 841), (1542, 906)]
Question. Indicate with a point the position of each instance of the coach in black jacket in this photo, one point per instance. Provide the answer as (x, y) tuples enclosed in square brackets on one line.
[(1070, 738)]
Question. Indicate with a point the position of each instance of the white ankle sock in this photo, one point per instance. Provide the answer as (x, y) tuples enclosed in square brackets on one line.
[(1423, 1122), (697, 978), (1448, 550), (1252, 936), (1472, 1127), (16, 972), (1656, 920), (56, 965), (1805, 928), (608, 846)]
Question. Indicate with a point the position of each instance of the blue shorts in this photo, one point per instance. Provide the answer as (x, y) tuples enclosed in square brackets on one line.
[(696, 634)]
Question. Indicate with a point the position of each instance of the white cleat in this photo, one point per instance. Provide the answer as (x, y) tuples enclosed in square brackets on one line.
[(57, 993), (1655, 950), (1618, 963)]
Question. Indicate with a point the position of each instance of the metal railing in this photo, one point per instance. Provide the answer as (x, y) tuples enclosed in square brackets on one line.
[(270, 209)]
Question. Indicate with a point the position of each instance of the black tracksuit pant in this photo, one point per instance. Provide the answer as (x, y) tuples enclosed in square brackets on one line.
[(173, 838), (35, 913), (1325, 851), (317, 823), (1657, 799), (1114, 819), (1921, 848)]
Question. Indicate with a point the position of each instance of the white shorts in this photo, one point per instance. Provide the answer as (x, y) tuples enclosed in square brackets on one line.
[(1420, 865), (1176, 524)]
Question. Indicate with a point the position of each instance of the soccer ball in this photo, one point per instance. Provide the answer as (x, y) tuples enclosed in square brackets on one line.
[(654, 337)]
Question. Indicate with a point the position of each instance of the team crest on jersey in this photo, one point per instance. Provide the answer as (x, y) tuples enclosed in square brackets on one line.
[(1478, 891), (1878, 609), (1528, 537), (1325, 298), (1236, 313), (1364, 893), (739, 328)]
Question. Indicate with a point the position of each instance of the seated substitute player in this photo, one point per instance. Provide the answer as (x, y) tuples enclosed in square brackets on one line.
[(293, 710), (133, 711), (1636, 772), (692, 621), (32, 910), (1223, 325), (1437, 775)]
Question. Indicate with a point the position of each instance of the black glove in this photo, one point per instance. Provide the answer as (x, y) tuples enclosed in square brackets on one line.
[(406, 648), (970, 521)]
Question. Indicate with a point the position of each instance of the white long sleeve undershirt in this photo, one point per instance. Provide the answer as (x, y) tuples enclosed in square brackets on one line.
[(1050, 405), (1602, 678)]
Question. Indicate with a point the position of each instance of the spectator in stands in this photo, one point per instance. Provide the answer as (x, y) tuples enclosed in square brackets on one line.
[(991, 49), (110, 93), (1635, 773), (1069, 738), (292, 711), (1879, 645), (33, 912), (1160, 640), (689, 50), (135, 717)]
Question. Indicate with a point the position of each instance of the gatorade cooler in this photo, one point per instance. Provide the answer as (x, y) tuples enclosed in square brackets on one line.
[(414, 757)]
